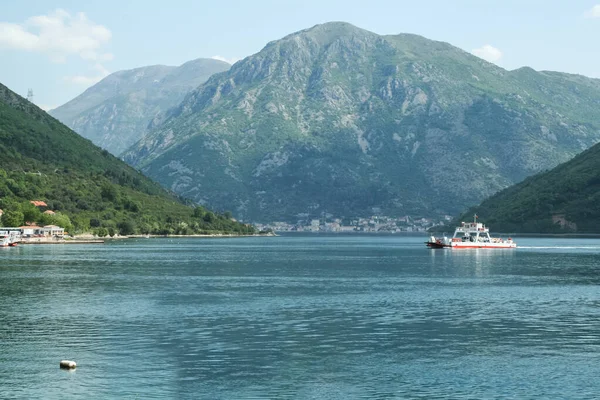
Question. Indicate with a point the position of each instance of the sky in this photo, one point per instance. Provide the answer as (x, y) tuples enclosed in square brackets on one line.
[(58, 48)]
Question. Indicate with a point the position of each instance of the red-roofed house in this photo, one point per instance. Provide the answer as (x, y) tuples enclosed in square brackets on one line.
[(38, 203)]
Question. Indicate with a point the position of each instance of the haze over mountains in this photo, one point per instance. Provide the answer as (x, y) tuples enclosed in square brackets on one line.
[(336, 119), (115, 112)]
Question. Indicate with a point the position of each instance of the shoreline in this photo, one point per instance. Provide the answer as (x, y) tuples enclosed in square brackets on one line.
[(90, 239), (215, 235), (64, 241)]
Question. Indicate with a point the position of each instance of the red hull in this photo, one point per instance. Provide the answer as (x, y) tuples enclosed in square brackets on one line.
[(483, 247), (436, 245)]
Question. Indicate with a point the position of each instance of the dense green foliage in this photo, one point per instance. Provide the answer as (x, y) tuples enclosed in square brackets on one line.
[(564, 199), (89, 189), (115, 112), (336, 119)]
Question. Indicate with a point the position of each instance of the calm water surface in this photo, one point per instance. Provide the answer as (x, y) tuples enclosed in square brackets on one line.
[(300, 317)]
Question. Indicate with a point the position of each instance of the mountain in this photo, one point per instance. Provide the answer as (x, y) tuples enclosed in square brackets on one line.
[(87, 188), (564, 199), (336, 119), (115, 112)]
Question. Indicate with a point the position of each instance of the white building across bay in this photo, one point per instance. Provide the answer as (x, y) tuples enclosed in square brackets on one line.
[(39, 231)]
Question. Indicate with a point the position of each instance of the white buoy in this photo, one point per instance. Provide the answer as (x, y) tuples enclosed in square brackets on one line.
[(68, 364)]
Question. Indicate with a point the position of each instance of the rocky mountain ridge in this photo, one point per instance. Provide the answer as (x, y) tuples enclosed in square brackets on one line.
[(336, 119), (116, 112)]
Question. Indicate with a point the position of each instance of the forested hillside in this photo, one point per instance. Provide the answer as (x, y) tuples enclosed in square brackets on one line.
[(564, 199), (87, 188)]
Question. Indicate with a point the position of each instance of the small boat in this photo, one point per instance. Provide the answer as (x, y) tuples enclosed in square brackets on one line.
[(5, 240), (9, 238), (471, 235)]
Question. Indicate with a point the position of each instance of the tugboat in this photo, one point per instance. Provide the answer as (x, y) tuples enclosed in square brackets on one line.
[(471, 235)]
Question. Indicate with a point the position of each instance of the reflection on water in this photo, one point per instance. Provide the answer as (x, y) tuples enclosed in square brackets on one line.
[(470, 262), (331, 317)]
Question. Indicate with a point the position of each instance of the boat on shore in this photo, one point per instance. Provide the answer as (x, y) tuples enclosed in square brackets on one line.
[(9, 238), (471, 235)]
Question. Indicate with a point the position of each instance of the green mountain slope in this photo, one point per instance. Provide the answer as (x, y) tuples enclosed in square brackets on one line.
[(338, 119), (564, 199), (41, 159), (115, 112)]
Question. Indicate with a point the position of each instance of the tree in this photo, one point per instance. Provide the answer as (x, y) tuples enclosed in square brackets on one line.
[(109, 192), (12, 218), (30, 212), (55, 205), (144, 228), (79, 223), (198, 212), (209, 217), (7, 203), (83, 205), (126, 228), (182, 229), (59, 219), (132, 206), (101, 232)]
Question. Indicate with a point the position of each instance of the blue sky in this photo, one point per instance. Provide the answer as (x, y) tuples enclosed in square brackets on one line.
[(59, 48)]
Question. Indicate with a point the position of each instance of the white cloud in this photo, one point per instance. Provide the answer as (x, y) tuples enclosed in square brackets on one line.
[(15, 36), (488, 53), (58, 35), (232, 60), (99, 72), (594, 12)]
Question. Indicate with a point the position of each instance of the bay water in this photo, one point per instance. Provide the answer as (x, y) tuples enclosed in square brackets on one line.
[(300, 317)]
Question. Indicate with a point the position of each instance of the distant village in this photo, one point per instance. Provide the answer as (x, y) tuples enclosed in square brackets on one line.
[(373, 224)]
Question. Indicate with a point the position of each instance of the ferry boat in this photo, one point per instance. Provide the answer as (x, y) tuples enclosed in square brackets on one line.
[(471, 235)]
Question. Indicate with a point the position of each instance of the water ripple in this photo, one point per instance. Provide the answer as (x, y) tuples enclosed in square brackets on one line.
[(299, 317)]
